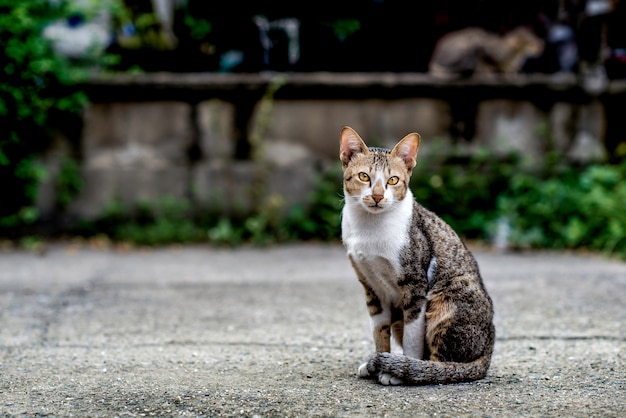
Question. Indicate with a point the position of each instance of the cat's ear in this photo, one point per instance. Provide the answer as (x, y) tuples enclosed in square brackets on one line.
[(407, 149), (350, 144)]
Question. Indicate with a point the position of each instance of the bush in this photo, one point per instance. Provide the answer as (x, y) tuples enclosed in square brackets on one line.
[(321, 219), (33, 93), (573, 209), (464, 190), (169, 220), (563, 208)]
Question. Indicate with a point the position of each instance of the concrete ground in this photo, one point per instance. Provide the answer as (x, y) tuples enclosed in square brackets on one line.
[(280, 331)]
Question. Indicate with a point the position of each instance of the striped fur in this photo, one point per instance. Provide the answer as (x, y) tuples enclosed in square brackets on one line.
[(422, 285)]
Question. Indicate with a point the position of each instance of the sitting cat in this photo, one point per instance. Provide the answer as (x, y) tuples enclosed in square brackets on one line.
[(422, 285), (475, 51)]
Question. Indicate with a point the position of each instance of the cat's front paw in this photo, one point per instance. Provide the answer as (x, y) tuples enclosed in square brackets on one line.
[(389, 380), (363, 372)]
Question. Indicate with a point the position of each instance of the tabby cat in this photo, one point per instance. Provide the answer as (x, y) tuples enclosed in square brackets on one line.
[(475, 51), (422, 285)]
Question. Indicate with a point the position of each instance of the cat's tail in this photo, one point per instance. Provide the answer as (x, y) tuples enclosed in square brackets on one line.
[(411, 371)]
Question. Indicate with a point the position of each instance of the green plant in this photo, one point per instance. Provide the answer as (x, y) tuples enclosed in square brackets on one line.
[(35, 89), (166, 220), (170, 220), (198, 28), (68, 182), (321, 218), (464, 190), (343, 28), (574, 209), (562, 208)]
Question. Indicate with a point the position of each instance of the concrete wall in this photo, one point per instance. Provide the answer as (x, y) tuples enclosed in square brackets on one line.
[(147, 143)]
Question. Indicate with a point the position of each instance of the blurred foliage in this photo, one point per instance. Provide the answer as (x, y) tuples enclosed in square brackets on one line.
[(556, 206), (36, 91), (170, 220), (343, 28), (198, 28), (32, 94), (463, 190), (571, 209), (69, 181), (322, 218)]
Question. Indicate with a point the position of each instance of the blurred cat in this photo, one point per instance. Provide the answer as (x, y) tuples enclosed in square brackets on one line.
[(475, 51)]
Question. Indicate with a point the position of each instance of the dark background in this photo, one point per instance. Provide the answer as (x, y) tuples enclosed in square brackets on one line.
[(393, 35)]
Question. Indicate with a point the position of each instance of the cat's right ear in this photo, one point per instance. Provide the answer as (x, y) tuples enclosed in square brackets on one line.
[(407, 149), (350, 144)]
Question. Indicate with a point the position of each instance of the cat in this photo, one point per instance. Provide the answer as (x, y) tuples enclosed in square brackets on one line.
[(473, 50), (422, 285)]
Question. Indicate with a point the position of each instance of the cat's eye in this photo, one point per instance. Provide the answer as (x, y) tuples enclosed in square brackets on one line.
[(393, 180), (364, 177)]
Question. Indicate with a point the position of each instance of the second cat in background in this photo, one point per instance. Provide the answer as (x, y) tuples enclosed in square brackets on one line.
[(472, 51)]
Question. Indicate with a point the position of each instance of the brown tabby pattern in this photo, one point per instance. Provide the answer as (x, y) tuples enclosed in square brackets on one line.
[(475, 51), (422, 285)]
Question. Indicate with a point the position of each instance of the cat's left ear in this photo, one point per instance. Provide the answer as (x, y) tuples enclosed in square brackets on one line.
[(407, 149), (351, 143)]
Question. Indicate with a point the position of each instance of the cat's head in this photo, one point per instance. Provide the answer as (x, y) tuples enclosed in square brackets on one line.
[(376, 178)]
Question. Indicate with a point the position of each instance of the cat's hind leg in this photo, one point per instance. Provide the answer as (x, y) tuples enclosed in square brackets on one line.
[(459, 322)]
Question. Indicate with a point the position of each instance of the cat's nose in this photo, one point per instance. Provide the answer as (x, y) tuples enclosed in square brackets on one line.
[(377, 197)]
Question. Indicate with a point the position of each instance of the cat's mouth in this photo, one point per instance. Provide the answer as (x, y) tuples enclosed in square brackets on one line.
[(376, 207)]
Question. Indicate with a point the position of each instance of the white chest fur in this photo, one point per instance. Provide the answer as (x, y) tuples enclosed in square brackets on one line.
[(374, 242)]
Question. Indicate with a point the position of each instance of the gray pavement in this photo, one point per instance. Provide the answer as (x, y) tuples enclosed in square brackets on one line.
[(280, 331)]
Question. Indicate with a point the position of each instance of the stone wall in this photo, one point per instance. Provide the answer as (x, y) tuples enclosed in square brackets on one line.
[(214, 139)]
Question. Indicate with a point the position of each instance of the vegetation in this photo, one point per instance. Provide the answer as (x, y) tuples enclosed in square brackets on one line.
[(557, 207), (170, 220), (573, 209), (35, 91), (464, 191), (570, 208)]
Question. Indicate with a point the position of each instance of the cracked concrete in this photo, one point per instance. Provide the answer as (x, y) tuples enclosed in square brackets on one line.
[(280, 331)]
